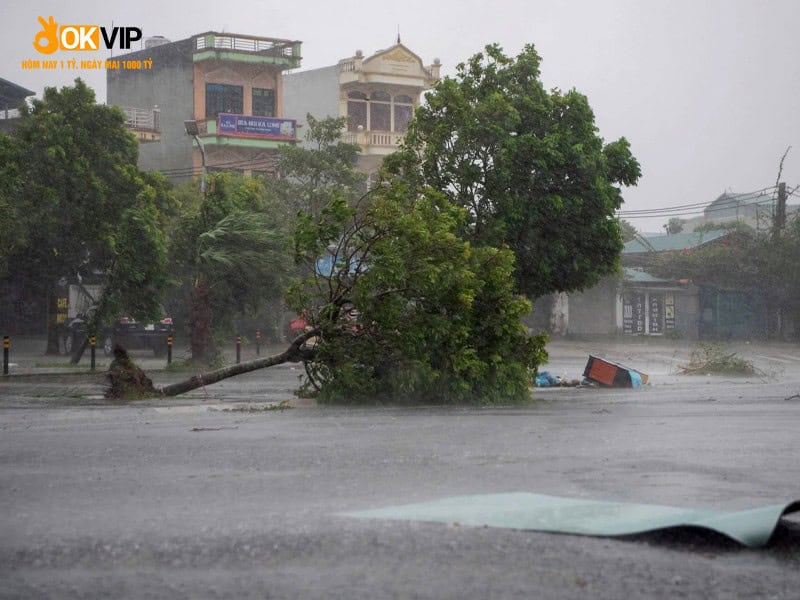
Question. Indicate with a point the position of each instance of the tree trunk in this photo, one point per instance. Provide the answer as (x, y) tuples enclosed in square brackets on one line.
[(77, 352), (200, 320), (294, 352), (53, 340)]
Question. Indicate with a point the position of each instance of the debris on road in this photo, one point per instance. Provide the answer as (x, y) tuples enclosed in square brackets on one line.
[(211, 428), (713, 359), (547, 379), (126, 380), (613, 374), (752, 528)]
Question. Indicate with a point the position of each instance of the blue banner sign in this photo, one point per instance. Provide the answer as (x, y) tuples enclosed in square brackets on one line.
[(259, 127)]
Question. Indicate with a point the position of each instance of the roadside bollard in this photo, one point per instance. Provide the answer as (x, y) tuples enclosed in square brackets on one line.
[(6, 347), (169, 349), (93, 346), (258, 343), (238, 349)]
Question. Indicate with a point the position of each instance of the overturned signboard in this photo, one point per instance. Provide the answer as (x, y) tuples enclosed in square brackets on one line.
[(613, 374)]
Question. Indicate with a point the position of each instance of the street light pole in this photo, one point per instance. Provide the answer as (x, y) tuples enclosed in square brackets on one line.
[(203, 172), (192, 130)]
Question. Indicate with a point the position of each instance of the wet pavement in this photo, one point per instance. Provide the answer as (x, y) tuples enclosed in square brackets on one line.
[(222, 494)]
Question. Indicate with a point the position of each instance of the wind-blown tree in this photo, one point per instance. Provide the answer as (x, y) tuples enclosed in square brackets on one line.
[(406, 310), (12, 236), (232, 247), (527, 165), (627, 231), (81, 206), (400, 306), (674, 226), (409, 311), (311, 176)]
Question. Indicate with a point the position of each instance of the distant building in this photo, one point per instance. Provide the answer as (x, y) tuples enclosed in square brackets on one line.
[(636, 303), (11, 96), (378, 95), (229, 84), (754, 209)]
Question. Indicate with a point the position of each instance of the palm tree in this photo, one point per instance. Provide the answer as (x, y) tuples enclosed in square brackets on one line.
[(240, 262)]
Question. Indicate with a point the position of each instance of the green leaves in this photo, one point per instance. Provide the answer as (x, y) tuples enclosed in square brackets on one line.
[(437, 319), (528, 167), (231, 246), (80, 203)]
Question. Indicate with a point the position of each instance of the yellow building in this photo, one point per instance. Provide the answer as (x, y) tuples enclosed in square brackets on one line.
[(377, 94)]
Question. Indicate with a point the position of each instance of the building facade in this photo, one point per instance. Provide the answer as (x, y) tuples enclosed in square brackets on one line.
[(11, 96), (229, 85), (377, 94)]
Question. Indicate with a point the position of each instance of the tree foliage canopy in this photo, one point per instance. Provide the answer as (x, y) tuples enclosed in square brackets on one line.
[(80, 204), (410, 310), (310, 176), (231, 248), (627, 230), (528, 167)]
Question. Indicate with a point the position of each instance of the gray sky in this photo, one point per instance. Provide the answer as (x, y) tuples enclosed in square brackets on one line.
[(706, 91)]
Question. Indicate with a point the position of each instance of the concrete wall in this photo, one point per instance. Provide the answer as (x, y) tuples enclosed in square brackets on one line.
[(687, 313), (244, 74), (169, 86), (594, 311), (315, 91)]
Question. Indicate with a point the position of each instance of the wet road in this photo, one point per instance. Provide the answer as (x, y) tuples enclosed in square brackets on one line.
[(217, 495)]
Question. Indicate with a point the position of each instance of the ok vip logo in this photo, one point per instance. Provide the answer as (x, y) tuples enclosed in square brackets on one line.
[(53, 37)]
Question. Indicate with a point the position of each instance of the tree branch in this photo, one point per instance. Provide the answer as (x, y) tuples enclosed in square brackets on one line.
[(293, 353)]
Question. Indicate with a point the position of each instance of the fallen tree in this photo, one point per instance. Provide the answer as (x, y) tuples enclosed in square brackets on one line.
[(129, 381), (401, 307)]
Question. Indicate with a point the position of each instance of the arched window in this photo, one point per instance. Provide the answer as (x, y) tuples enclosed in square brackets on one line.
[(403, 111), (380, 111), (356, 111)]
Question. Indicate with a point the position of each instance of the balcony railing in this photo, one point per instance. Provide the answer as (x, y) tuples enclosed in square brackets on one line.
[(244, 43), (146, 124), (142, 119), (379, 139), (9, 113), (347, 66)]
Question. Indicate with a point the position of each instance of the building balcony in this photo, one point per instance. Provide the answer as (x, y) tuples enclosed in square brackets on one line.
[(247, 48), (144, 123), (374, 142), (9, 113)]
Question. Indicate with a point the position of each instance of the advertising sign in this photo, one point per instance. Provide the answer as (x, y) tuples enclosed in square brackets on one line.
[(256, 127), (633, 314)]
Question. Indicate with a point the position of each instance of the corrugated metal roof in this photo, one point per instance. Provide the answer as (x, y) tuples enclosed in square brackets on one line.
[(677, 241), (638, 276), (12, 94)]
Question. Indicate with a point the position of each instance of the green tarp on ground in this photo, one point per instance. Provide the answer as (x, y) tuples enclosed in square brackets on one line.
[(521, 510)]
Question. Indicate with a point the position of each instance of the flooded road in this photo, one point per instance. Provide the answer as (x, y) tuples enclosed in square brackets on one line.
[(220, 494)]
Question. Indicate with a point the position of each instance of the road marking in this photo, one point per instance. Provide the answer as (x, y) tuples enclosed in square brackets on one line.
[(773, 358), (790, 357)]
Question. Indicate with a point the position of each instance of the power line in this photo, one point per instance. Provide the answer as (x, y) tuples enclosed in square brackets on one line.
[(694, 212), (233, 164), (730, 202)]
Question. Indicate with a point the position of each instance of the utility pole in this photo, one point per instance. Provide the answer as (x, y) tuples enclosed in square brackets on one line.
[(780, 212), (778, 224)]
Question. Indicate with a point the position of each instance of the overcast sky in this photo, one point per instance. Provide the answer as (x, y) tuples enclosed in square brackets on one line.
[(706, 91)]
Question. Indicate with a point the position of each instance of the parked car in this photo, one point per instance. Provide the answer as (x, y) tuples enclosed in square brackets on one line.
[(126, 332)]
